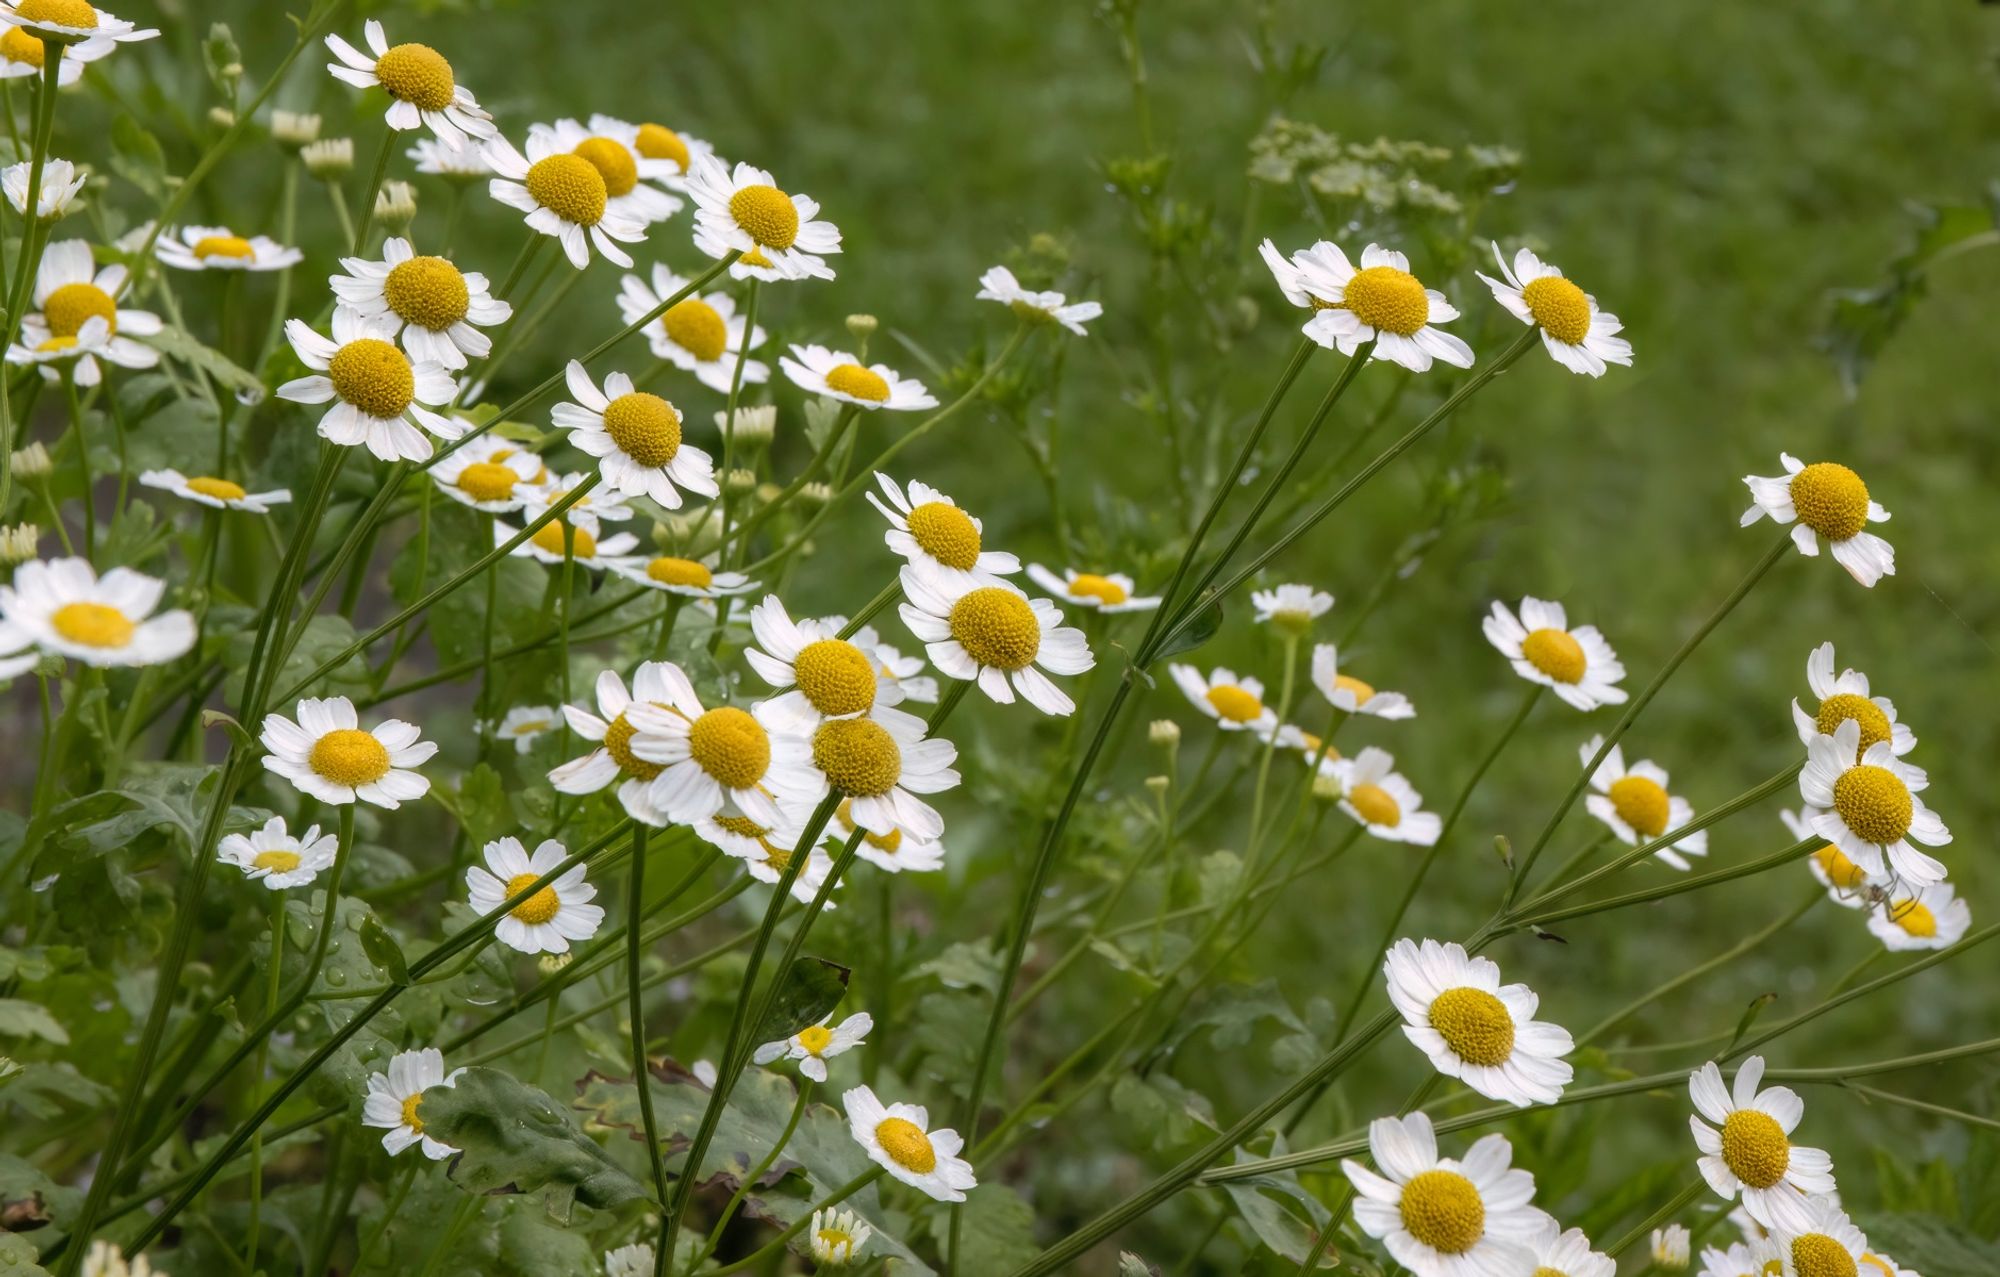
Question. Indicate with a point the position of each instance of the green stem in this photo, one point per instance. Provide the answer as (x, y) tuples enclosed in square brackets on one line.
[(1647, 1225), (367, 222), (749, 1181), (799, 1225), (635, 913)]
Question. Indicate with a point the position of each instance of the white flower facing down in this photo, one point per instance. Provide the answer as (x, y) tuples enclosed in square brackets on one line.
[(376, 390), (564, 197), (880, 762), (1825, 499), (936, 536), (1351, 695), (636, 438), (525, 724), (1575, 332), (327, 755), (1236, 703), (611, 146), (547, 921), (898, 1138), (1382, 302), (69, 293), (1568, 1254), (1109, 592), (396, 1097), (1671, 1246), (63, 607), (836, 374), (1634, 803), (742, 210), (701, 334), (1845, 696), (1869, 809), (1377, 796), (1748, 1153), (1440, 1216), (894, 852), (457, 164), (220, 494), (1846, 883), (559, 541), (1931, 917), (722, 760), (219, 248), (999, 285), (1576, 664), (62, 181), (837, 1237), (276, 858), (815, 1044), (823, 676), (422, 89), (767, 850), (1473, 1028), (1290, 607), (436, 309), (1738, 1259), (997, 636)]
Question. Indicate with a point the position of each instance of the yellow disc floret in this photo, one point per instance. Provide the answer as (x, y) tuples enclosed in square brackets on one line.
[(614, 163), (668, 570), (1837, 709), (17, 45), (1361, 691), (1443, 1210), (731, 746), (1915, 918), (857, 382), (536, 909), (374, 376), (1839, 870), (277, 862), (92, 624), (1817, 1255), (1874, 803), (888, 842), (231, 246), (1475, 1025), (1376, 805), (570, 187), (410, 1118), (429, 292), (349, 758), (814, 1038), (767, 215), (1754, 1148), (1388, 299), (1831, 500), (220, 489), (836, 677), (549, 538), (696, 327), (946, 533), (907, 1145), (658, 142), (1235, 704), (72, 306), (57, 13), (645, 427), (859, 756), (419, 75), (996, 627), (1088, 585), (1642, 804), (488, 481), (1560, 307), (618, 734), (1556, 654)]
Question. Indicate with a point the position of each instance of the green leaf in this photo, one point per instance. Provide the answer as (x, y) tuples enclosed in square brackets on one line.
[(20, 1019), (177, 344), (383, 951), (532, 1247), (807, 993), (137, 155), (998, 1233), (512, 1138), (18, 1255), (1937, 1247), (1198, 631)]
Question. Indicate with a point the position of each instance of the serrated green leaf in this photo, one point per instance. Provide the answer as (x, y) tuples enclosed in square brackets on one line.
[(512, 1138)]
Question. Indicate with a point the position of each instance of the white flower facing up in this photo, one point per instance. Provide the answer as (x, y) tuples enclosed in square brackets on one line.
[(1634, 803), (219, 248), (898, 1138), (63, 607), (880, 763), (1575, 332), (1845, 696), (1108, 592), (815, 1044), (1931, 917), (999, 285), (396, 1098), (327, 754), (1869, 809), (547, 921), (1290, 607), (1749, 1151), (525, 724), (714, 760), (69, 293), (220, 494), (1382, 302), (422, 89), (1374, 794), (68, 21), (1825, 499), (997, 636), (1825, 1241), (1473, 1028), (376, 390), (690, 578), (1671, 1246), (276, 858), (1350, 695), (558, 541), (62, 181), (837, 374), (895, 851), (611, 146), (456, 164), (636, 438), (565, 198), (1236, 703), (436, 308), (490, 475), (701, 334), (1440, 1216), (837, 1237), (741, 210), (1567, 1254), (936, 536), (824, 676), (1576, 664), (1846, 882)]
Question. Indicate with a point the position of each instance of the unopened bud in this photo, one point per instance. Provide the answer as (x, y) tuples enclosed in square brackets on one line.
[(1159, 784), (862, 326), (550, 963), (814, 495), (329, 159), (396, 206), (740, 482), (221, 117), (294, 129), (755, 426), (32, 462), (1164, 732), (768, 492), (17, 544)]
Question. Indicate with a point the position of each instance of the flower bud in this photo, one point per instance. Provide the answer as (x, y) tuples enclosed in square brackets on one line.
[(396, 206), (221, 117), (550, 963), (1158, 785), (814, 495), (1326, 788), (329, 159), (294, 129), (1164, 732), (17, 544), (739, 482), (862, 326), (32, 462), (755, 425), (768, 492)]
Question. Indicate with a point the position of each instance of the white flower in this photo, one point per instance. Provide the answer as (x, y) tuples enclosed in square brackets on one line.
[(1235, 703), (396, 1097), (880, 762), (1634, 802), (1382, 301), (1576, 333), (458, 164), (490, 475), (219, 248), (523, 724), (1846, 883), (1752, 1154), (22, 57), (1568, 1254), (635, 1260), (999, 284), (1738, 1259), (767, 850), (1844, 697), (692, 578), (105, 1259), (278, 858), (1376, 795), (565, 197), (614, 733), (667, 149), (996, 635), (61, 180), (1825, 499), (742, 210), (836, 1237), (52, 352), (547, 921), (1824, 1241), (699, 334), (1290, 607), (70, 292), (1884, 1266), (839, 375), (559, 538), (636, 437), (1351, 695), (715, 760), (1931, 917), (327, 755), (376, 390), (592, 508), (895, 851), (825, 676), (931, 532), (1870, 809), (419, 82), (1110, 592), (437, 308), (815, 1044), (1577, 664), (1475, 1029), (64, 607), (221, 494), (612, 146), (898, 1138), (64, 20), (1442, 1217), (1670, 1244)]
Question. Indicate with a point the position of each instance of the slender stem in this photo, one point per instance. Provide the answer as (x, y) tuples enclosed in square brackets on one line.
[(635, 914), (367, 222), (749, 1181), (797, 1226), (1647, 1225)]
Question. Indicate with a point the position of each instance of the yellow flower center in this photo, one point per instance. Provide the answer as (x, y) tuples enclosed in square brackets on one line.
[(1875, 804), (570, 187), (1914, 917), (618, 734), (881, 842), (1475, 1025), (549, 538), (277, 862), (93, 624), (417, 74), (996, 627), (755, 257), (349, 758), (410, 1118), (815, 1038), (859, 383), (1363, 693), (58, 343), (614, 163), (731, 746), (17, 45), (223, 246), (837, 1242), (645, 427), (1837, 709), (907, 1145), (72, 306), (1375, 805), (1880, 1265), (1546, 1271), (488, 481), (836, 677), (1640, 803), (698, 328), (668, 570), (1234, 703), (1559, 307), (658, 142), (429, 292), (1555, 654), (58, 13), (536, 909), (1754, 1148), (1088, 585), (1817, 1255), (859, 756), (1443, 1210), (220, 489), (766, 215), (1839, 870), (374, 376), (1388, 299), (946, 533), (1831, 500)]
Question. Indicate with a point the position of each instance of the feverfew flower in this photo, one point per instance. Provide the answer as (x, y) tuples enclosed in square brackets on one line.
[(1439, 1216), (815, 1044), (636, 437), (614, 734), (836, 1237), (996, 635), (1575, 332), (1236, 703), (69, 293), (220, 494), (1375, 794), (715, 760), (327, 755), (824, 675), (612, 147), (61, 180), (1671, 1246), (437, 308), (1292, 608), (1568, 1254), (1752, 1153), (999, 284), (1846, 883), (219, 248), (701, 334), (63, 607), (897, 1138), (881, 762), (1577, 664), (547, 921), (635, 1260), (71, 22), (933, 534), (490, 475), (743, 211), (396, 1097), (1931, 917), (1110, 592), (376, 390), (690, 578), (1350, 695), (1382, 302), (1824, 1241), (1870, 809), (277, 858), (524, 724), (839, 375), (895, 851), (559, 541), (1634, 803), (1475, 1029), (421, 86), (1825, 499), (1844, 697), (565, 197), (454, 164)]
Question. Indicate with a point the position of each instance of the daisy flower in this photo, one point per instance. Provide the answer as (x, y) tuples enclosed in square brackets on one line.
[(715, 760), (880, 763), (376, 390), (996, 635), (906, 672), (457, 164), (898, 1138), (219, 248), (1931, 917), (1845, 697), (1869, 809), (558, 539), (1235, 703), (564, 197), (614, 733), (1825, 499), (692, 578), (547, 921), (51, 353), (669, 147), (1634, 803), (1110, 592), (767, 850), (1309, 745), (280, 860), (895, 851), (1846, 883), (742, 210), (815, 1044), (65, 608), (1576, 333), (932, 533), (437, 308), (22, 57), (396, 1098), (752, 265), (17, 651), (421, 87), (824, 676), (327, 755), (611, 146), (1671, 1246), (636, 437), (1874, 1264), (1752, 1153), (1567, 1254), (489, 475), (594, 508), (221, 494), (73, 22), (1292, 608), (1824, 1241), (699, 334), (1473, 1028), (999, 285), (1439, 1216), (1577, 664), (1375, 794), (1382, 302), (1350, 695), (70, 292), (61, 180), (839, 375), (524, 724), (838, 1236)]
